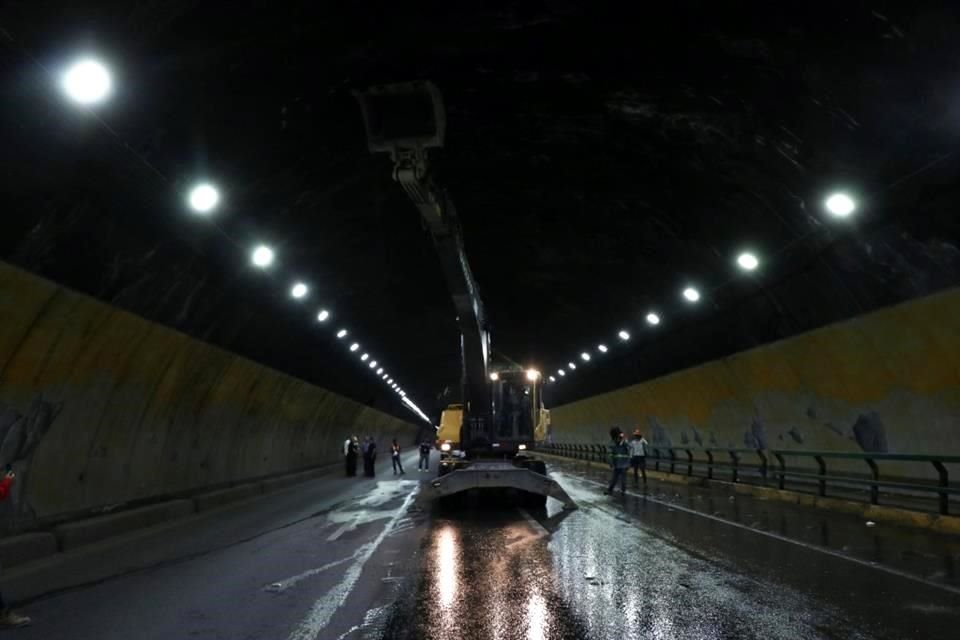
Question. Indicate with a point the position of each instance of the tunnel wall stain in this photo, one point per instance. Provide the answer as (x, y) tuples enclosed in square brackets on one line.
[(888, 381), (99, 407)]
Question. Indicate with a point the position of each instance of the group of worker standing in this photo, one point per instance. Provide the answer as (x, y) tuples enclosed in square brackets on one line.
[(353, 449), (624, 455)]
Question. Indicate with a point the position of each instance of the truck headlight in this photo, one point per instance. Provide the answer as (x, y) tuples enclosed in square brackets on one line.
[(445, 446), (522, 447)]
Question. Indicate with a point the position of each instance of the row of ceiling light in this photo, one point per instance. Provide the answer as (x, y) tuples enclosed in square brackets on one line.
[(838, 205), (89, 82)]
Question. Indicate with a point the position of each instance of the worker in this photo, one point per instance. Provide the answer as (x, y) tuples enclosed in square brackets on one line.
[(369, 456), (620, 461), (424, 464), (346, 454), (638, 455), (395, 456), (353, 447), (8, 617)]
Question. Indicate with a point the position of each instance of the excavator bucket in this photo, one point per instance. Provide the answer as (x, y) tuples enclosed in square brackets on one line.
[(500, 475), (403, 117)]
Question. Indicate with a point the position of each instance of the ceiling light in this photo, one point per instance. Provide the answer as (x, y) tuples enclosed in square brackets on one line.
[(342, 333), (384, 376), (299, 291), (747, 261), (87, 81), (552, 379), (840, 205), (390, 381), (373, 364), (365, 356), (571, 365), (585, 356), (624, 335), (494, 376), (323, 315), (380, 370), (602, 348), (263, 256), (533, 375), (691, 294), (561, 372), (203, 198), (653, 319), (354, 346)]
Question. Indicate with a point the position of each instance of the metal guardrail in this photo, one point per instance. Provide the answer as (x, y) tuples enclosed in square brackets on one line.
[(771, 464)]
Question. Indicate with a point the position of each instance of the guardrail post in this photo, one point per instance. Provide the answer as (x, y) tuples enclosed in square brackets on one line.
[(783, 470), (763, 465), (823, 472), (673, 459), (598, 452), (709, 464), (689, 462), (944, 485), (656, 462), (736, 466), (874, 488)]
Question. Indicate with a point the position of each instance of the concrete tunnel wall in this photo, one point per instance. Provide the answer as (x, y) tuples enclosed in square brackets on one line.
[(100, 407), (888, 381)]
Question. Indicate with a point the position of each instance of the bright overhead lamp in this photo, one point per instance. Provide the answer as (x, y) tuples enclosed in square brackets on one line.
[(533, 375), (373, 364), (624, 335), (653, 319), (552, 379), (494, 376), (384, 376), (365, 357), (262, 256), (342, 334), (87, 81), (602, 348), (323, 315), (571, 366), (747, 261), (840, 205), (691, 294), (203, 198), (561, 372), (380, 370), (354, 346), (390, 381), (585, 356), (299, 291)]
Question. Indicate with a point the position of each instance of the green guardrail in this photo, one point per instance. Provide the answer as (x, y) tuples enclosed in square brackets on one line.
[(772, 463)]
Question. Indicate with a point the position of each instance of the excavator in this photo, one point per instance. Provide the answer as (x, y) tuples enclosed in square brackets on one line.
[(488, 440)]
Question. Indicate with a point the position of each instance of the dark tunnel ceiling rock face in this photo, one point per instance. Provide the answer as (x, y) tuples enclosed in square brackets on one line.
[(599, 160)]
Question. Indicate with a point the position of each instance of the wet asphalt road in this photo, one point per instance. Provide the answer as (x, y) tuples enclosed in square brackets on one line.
[(391, 564)]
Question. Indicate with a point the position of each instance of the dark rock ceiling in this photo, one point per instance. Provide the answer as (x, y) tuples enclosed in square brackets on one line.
[(600, 158)]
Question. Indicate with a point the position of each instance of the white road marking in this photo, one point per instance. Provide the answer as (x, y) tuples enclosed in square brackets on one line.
[(799, 543), (283, 585), (323, 609)]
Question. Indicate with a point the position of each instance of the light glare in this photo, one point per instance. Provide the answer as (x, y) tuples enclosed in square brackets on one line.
[(494, 376), (747, 261), (263, 256), (840, 205), (533, 375), (204, 198), (299, 290), (87, 82)]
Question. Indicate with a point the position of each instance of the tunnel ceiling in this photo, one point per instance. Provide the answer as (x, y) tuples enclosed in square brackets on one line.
[(600, 160)]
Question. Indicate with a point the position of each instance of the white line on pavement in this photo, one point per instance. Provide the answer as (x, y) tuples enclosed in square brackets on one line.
[(323, 609)]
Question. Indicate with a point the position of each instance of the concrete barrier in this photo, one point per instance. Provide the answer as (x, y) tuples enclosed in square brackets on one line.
[(75, 534), (214, 499), (884, 382), (100, 407), (24, 548)]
